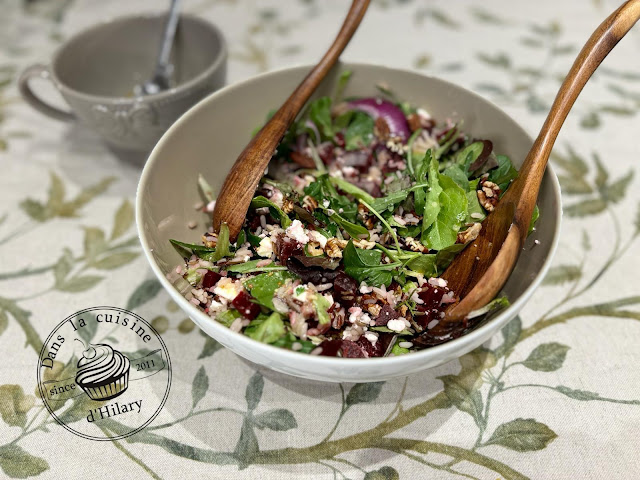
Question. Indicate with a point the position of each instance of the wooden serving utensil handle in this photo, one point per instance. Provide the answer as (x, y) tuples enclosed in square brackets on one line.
[(239, 186), (601, 42), (477, 274)]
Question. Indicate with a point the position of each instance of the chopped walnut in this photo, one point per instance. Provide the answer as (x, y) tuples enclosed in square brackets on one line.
[(374, 309), (209, 243), (416, 122), (287, 205), (470, 233), (414, 245), (488, 193), (364, 244), (381, 129), (314, 249), (334, 247), (309, 203), (363, 214), (403, 310)]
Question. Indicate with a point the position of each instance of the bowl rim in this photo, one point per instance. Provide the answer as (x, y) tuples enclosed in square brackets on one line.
[(216, 64), (289, 355)]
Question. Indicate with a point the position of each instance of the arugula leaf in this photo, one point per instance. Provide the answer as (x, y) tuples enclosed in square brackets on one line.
[(321, 305), (206, 189), (445, 256), (534, 219), (474, 207), (343, 79), (289, 339), (410, 159), (266, 330), (422, 168), (222, 246), (398, 350), (356, 231), (351, 189), (322, 189), (251, 267), (383, 203), (342, 121), (186, 249), (504, 173), (276, 211), (320, 114), (452, 212), (431, 207), (494, 304), (447, 142), (254, 240), (365, 266), (359, 132), (262, 287), (424, 264), (458, 175), (206, 253), (227, 317), (468, 155)]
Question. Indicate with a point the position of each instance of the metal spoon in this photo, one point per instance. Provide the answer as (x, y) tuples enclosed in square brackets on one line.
[(482, 269), (160, 79)]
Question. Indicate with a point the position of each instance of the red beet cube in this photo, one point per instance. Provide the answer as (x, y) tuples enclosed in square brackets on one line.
[(210, 279), (245, 306)]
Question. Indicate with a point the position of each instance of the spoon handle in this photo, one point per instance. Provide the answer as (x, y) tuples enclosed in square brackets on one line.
[(601, 42), (239, 186), (478, 274)]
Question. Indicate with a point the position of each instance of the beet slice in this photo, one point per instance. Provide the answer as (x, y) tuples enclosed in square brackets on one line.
[(345, 289), (245, 306), (210, 279), (387, 313)]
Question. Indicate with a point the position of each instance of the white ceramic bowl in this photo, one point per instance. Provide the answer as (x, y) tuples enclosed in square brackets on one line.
[(207, 140)]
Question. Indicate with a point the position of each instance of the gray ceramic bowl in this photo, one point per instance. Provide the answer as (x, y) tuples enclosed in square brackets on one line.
[(97, 69), (208, 139)]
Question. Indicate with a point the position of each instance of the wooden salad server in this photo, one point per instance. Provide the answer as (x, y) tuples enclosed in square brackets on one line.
[(479, 272), (241, 182)]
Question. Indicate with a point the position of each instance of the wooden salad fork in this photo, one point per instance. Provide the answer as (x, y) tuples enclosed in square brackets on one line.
[(241, 182), (479, 272)]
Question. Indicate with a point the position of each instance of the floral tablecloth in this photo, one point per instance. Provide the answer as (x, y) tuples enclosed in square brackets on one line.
[(555, 396)]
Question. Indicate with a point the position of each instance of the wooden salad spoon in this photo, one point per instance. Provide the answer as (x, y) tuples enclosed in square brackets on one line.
[(479, 272), (241, 182)]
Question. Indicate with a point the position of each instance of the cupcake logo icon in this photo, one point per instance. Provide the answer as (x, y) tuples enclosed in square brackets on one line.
[(104, 373)]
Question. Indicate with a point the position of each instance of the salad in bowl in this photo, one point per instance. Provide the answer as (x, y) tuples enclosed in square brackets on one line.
[(365, 203)]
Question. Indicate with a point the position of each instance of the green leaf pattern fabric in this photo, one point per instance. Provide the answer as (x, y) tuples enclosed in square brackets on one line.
[(553, 395)]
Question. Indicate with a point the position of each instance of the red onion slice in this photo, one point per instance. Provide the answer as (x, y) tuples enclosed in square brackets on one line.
[(376, 107)]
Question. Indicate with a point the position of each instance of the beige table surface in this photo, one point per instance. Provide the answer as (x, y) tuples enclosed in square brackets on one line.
[(562, 403)]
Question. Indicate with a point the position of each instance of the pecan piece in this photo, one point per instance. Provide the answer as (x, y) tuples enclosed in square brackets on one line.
[(363, 215), (334, 247), (314, 249), (210, 243), (488, 193), (309, 203), (287, 205), (305, 161), (364, 244), (414, 245), (470, 233), (381, 129)]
